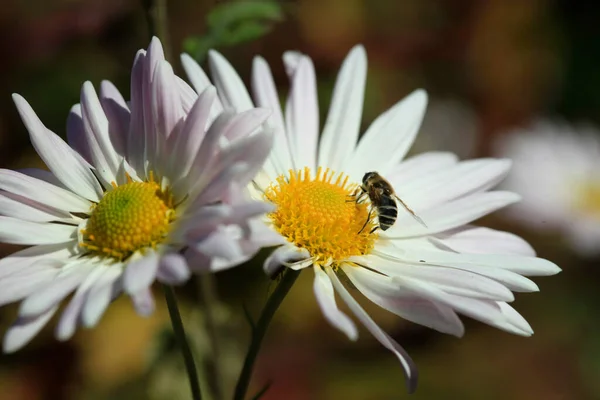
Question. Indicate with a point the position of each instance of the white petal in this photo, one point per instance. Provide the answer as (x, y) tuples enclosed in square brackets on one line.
[(401, 301), (95, 124), (200, 82), (302, 114), (265, 94), (118, 116), (24, 329), (326, 299), (18, 286), (140, 273), (408, 366), (43, 192), (188, 140), (220, 244), (136, 137), (100, 295), (480, 240), (68, 320), (143, 301), (166, 100), (57, 155), (391, 135), (281, 257), (448, 184), (451, 214), (231, 89), (56, 290), (76, 134), (16, 231), (413, 169), (19, 207), (340, 132), (515, 319), (21, 260), (173, 269)]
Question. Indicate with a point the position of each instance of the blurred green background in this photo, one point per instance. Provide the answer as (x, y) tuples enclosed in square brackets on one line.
[(488, 66)]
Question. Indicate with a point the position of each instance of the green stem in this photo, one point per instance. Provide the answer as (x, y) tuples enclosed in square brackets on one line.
[(188, 358), (208, 290), (258, 333)]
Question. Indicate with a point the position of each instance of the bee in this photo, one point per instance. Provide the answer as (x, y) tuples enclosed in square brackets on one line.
[(383, 200)]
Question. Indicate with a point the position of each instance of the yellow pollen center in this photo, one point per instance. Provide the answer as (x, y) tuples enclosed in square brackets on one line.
[(321, 215), (129, 218), (589, 198)]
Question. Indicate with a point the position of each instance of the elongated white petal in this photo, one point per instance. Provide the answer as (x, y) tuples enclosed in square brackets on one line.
[(100, 295), (24, 329), (19, 286), (166, 100), (340, 132), (43, 192), (326, 299), (140, 273), (68, 320), (231, 89), (408, 366), (451, 214), (414, 168), (188, 140), (302, 114), (76, 134), (516, 320), (21, 260), (200, 82), (16, 231), (19, 207), (391, 135), (265, 95), (220, 244), (95, 124), (473, 239), (448, 184), (118, 115), (173, 269), (136, 138), (57, 155), (403, 302), (56, 290)]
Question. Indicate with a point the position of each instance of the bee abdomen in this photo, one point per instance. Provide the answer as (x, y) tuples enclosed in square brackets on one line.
[(387, 212)]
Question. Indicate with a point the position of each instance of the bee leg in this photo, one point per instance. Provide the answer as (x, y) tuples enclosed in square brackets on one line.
[(366, 222), (374, 229)]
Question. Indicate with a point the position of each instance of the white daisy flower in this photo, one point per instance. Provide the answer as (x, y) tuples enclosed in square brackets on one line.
[(136, 185), (426, 274), (556, 168)]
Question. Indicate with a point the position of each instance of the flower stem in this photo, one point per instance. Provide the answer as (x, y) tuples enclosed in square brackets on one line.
[(188, 358), (208, 291), (258, 333)]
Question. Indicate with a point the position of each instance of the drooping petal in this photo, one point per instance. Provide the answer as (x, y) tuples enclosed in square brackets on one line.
[(326, 299), (140, 272), (405, 303), (21, 260), (24, 329), (408, 365), (19, 286), (173, 269), (341, 129), (283, 256), (100, 295), (55, 291), (143, 301), (57, 155)]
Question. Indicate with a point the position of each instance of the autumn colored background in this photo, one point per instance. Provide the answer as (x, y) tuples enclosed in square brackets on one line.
[(489, 66)]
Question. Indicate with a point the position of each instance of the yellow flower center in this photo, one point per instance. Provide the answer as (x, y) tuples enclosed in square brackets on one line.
[(588, 200), (321, 215), (129, 218)]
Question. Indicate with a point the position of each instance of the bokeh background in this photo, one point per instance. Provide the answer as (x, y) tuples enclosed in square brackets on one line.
[(489, 66)]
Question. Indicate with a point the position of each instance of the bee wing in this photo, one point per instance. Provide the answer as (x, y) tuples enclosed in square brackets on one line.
[(407, 208)]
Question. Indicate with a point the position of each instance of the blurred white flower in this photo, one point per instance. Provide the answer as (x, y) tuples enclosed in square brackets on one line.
[(556, 167), (424, 274), (135, 185)]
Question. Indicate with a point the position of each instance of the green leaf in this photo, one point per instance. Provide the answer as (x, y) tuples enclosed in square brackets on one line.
[(224, 15), (244, 32)]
